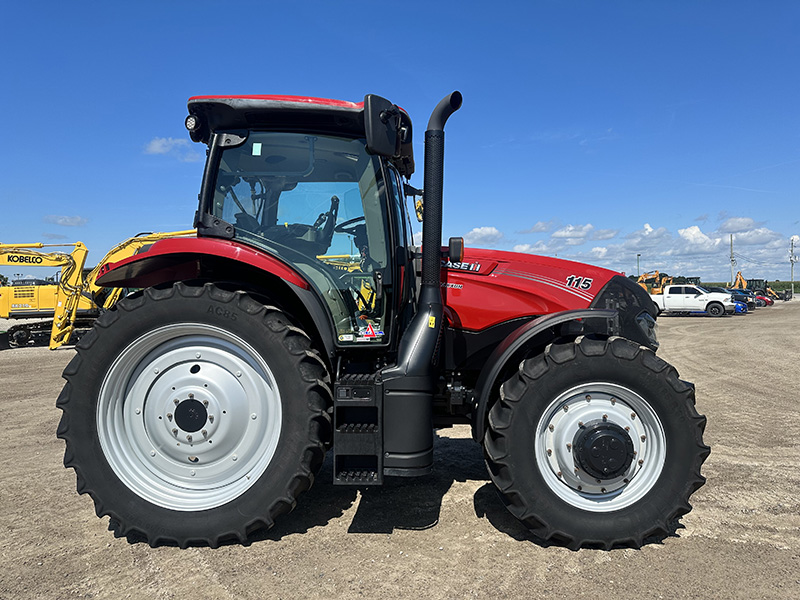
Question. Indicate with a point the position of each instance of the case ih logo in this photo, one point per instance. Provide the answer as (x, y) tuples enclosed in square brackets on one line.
[(31, 260), (461, 266)]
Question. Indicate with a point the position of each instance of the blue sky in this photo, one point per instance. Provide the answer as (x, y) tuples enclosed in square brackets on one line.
[(590, 130)]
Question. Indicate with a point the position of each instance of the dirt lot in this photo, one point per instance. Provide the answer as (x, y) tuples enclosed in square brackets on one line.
[(448, 535)]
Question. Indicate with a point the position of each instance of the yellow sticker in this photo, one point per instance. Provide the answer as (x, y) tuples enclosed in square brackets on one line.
[(431, 322)]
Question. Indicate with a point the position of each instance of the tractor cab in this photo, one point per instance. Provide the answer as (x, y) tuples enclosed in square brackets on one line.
[(308, 181)]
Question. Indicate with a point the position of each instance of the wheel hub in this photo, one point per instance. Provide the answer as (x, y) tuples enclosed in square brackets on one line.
[(604, 450), (600, 446), (191, 415)]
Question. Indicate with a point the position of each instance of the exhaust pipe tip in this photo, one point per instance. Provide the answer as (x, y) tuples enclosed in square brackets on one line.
[(446, 107)]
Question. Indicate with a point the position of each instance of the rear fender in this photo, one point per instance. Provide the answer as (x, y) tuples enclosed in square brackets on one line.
[(528, 338), (230, 265)]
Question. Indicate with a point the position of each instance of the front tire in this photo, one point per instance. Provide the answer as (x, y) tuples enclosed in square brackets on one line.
[(596, 443), (715, 309), (192, 415)]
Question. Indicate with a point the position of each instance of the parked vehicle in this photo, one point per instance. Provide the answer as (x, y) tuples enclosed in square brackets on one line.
[(744, 296), (764, 300), (693, 299)]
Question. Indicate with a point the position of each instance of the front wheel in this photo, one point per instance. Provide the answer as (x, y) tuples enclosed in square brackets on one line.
[(596, 443), (193, 415), (715, 310)]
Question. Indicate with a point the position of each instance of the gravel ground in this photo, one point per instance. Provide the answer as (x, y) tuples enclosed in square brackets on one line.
[(446, 535)]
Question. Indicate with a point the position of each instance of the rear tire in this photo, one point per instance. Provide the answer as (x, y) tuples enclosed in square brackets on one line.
[(565, 441), (192, 415)]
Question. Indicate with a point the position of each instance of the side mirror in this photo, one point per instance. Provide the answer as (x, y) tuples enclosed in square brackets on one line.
[(456, 249), (381, 124)]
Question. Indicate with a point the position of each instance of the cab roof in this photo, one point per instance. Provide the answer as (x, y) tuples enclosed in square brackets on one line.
[(288, 113)]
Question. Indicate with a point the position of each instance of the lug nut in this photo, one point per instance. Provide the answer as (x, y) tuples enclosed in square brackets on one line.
[(569, 447), (549, 452), (613, 401), (633, 415), (205, 433), (188, 438), (169, 416), (644, 437), (550, 427), (205, 402), (605, 417), (588, 397), (175, 432), (176, 402)]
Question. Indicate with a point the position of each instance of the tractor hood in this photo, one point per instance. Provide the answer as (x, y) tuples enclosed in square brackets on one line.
[(490, 287)]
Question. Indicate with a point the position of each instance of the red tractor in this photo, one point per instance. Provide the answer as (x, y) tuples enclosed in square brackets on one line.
[(299, 320)]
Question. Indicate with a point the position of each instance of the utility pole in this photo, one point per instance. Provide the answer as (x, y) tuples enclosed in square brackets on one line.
[(792, 260), (637, 265), (733, 260)]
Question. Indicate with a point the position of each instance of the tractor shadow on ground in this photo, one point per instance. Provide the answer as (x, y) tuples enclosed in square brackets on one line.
[(414, 503), (401, 503), (405, 504)]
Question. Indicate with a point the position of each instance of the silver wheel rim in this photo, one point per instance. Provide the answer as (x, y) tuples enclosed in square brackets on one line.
[(604, 402), (189, 416)]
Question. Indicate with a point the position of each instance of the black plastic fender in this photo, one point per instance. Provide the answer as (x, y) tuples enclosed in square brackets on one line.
[(539, 331)]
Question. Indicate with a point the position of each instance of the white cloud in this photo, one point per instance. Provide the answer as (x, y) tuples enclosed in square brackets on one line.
[(65, 221), (483, 235), (604, 234), (539, 227), (758, 237), (737, 225), (574, 232), (181, 149), (647, 238), (599, 252), (537, 248)]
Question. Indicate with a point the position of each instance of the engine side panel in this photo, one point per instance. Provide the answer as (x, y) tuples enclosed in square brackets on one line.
[(490, 287)]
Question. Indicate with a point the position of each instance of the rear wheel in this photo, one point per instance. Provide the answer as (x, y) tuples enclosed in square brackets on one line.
[(193, 415), (596, 443)]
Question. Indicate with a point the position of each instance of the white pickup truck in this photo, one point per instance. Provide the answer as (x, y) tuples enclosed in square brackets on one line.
[(693, 298)]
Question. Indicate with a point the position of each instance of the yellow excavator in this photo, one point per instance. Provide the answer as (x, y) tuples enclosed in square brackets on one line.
[(654, 282), (71, 303)]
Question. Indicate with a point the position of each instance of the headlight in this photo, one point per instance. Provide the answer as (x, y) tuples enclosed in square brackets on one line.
[(649, 327)]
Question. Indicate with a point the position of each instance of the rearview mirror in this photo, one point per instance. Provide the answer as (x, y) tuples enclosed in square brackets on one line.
[(381, 124)]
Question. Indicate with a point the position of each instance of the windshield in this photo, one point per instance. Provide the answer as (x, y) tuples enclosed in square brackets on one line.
[(319, 203)]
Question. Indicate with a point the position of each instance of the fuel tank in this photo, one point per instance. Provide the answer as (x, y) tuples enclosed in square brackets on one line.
[(492, 286)]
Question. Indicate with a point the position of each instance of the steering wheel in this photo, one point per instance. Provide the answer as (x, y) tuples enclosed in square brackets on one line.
[(346, 226)]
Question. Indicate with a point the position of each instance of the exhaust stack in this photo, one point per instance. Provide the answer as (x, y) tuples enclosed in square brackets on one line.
[(409, 385)]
